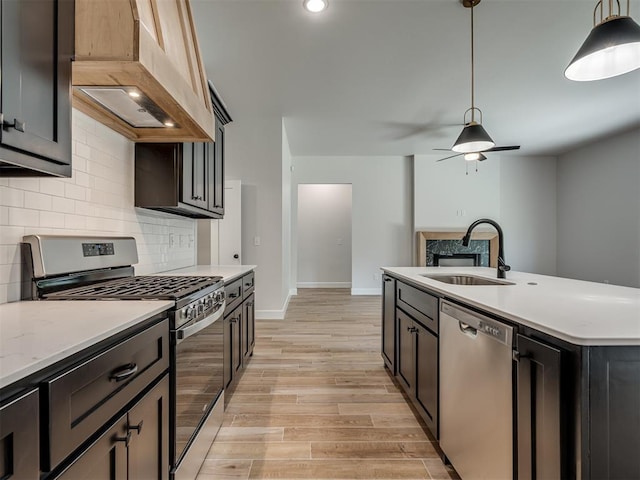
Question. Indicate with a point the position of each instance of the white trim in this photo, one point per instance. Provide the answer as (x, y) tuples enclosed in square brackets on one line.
[(293, 292), (366, 291), (324, 284), (274, 314)]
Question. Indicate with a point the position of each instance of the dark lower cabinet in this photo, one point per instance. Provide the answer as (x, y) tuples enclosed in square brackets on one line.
[(426, 382), (248, 328), (105, 459), (417, 367), (135, 447), (388, 322), (539, 404), (37, 46), (232, 346), (614, 421), (19, 437), (148, 423)]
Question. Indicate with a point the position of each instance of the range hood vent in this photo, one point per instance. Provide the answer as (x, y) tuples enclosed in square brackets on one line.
[(138, 69), (131, 106)]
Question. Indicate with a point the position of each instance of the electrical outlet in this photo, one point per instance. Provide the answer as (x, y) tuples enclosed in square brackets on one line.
[(256, 241), (172, 240)]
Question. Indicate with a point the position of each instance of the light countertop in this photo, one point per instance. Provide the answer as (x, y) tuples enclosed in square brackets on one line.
[(227, 272), (37, 334), (582, 313)]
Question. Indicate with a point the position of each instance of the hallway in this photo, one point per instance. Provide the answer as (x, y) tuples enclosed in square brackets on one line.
[(316, 402)]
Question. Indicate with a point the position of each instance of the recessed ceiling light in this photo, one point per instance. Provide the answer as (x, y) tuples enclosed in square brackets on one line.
[(134, 94), (169, 123), (315, 6)]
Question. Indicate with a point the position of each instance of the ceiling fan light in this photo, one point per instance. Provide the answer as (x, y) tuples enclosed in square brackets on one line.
[(611, 49), (315, 6), (473, 138), (473, 156)]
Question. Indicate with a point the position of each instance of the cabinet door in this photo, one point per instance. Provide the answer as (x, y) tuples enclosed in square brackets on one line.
[(37, 46), (216, 199), (148, 422), (236, 340), (614, 417), (426, 386), (194, 174), (105, 459), (538, 416), (406, 364), (388, 322), (248, 329), (19, 442), (228, 349)]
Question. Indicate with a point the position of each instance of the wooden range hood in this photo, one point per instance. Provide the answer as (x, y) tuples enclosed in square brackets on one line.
[(150, 49)]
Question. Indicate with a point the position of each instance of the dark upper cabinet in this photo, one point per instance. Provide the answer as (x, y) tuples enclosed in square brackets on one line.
[(175, 178), (184, 178), (37, 45)]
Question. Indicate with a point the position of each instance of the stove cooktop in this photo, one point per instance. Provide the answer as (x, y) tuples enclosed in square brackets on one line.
[(139, 288)]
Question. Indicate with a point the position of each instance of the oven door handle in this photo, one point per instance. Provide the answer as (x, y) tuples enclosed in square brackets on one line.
[(184, 333)]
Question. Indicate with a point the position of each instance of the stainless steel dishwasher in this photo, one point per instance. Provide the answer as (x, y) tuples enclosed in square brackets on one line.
[(476, 421)]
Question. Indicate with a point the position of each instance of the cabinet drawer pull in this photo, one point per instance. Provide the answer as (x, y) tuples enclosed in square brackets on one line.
[(387, 279), (126, 439), (233, 295), (248, 284), (17, 124), (124, 372), (137, 428)]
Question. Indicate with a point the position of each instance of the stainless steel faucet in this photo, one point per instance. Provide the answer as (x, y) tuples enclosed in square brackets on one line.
[(502, 266)]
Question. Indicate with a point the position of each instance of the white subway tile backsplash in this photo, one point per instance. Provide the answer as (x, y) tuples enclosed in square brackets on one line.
[(37, 201), (11, 197), (75, 192), (63, 205), (52, 219), (97, 200), (22, 217), (28, 183), (52, 186)]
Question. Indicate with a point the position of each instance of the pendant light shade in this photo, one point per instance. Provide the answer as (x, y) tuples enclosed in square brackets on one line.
[(612, 48), (473, 138)]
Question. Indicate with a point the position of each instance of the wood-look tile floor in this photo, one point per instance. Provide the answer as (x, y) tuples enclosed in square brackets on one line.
[(315, 402)]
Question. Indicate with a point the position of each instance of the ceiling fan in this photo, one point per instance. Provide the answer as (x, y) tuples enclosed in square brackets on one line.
[(474, 140)]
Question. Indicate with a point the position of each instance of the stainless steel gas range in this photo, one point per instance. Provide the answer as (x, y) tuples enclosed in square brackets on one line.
[(100, 268)]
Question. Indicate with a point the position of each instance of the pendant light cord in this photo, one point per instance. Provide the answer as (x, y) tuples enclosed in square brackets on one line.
[(473, 103)]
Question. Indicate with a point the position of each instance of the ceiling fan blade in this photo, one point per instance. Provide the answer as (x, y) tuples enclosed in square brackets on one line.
[(502, 149), (441, 149), (482, 158), (447, 158)]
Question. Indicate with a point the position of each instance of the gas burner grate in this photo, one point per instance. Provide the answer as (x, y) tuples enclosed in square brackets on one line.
[(138, 288)]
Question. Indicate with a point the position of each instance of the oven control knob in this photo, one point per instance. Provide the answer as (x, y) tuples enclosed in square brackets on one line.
[(209, 301), (219, 296), (190, 313)]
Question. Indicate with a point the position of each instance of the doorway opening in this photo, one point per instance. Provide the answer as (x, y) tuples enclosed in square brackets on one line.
[(324, 236)]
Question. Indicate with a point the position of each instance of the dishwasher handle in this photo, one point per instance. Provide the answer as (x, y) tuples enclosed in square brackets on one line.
[(469, 320)]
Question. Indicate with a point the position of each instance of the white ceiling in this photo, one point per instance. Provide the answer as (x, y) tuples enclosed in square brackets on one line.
[(392, 77)]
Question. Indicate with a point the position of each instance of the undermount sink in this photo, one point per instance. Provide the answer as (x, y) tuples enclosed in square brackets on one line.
[(465, 279)]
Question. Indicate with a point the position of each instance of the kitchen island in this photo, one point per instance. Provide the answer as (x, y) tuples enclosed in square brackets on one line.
[(575, 367)]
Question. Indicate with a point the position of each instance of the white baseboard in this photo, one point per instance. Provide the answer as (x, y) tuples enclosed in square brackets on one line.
[(324, 284), (366, 291), (293, 292), (274, 314)]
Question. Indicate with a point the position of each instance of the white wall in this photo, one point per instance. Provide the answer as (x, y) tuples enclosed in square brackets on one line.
[(517, 192), (381, 210), (254, 155), (599, 211), (324, 236), (96, 200)]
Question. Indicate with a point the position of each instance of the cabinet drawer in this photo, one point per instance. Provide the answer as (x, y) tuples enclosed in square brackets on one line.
[(84, 398), (248, 284), (19, 450), (233, 295), (420, 305)]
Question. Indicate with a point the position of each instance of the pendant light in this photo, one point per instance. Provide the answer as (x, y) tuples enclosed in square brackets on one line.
[(473, 138), (612, 48)]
